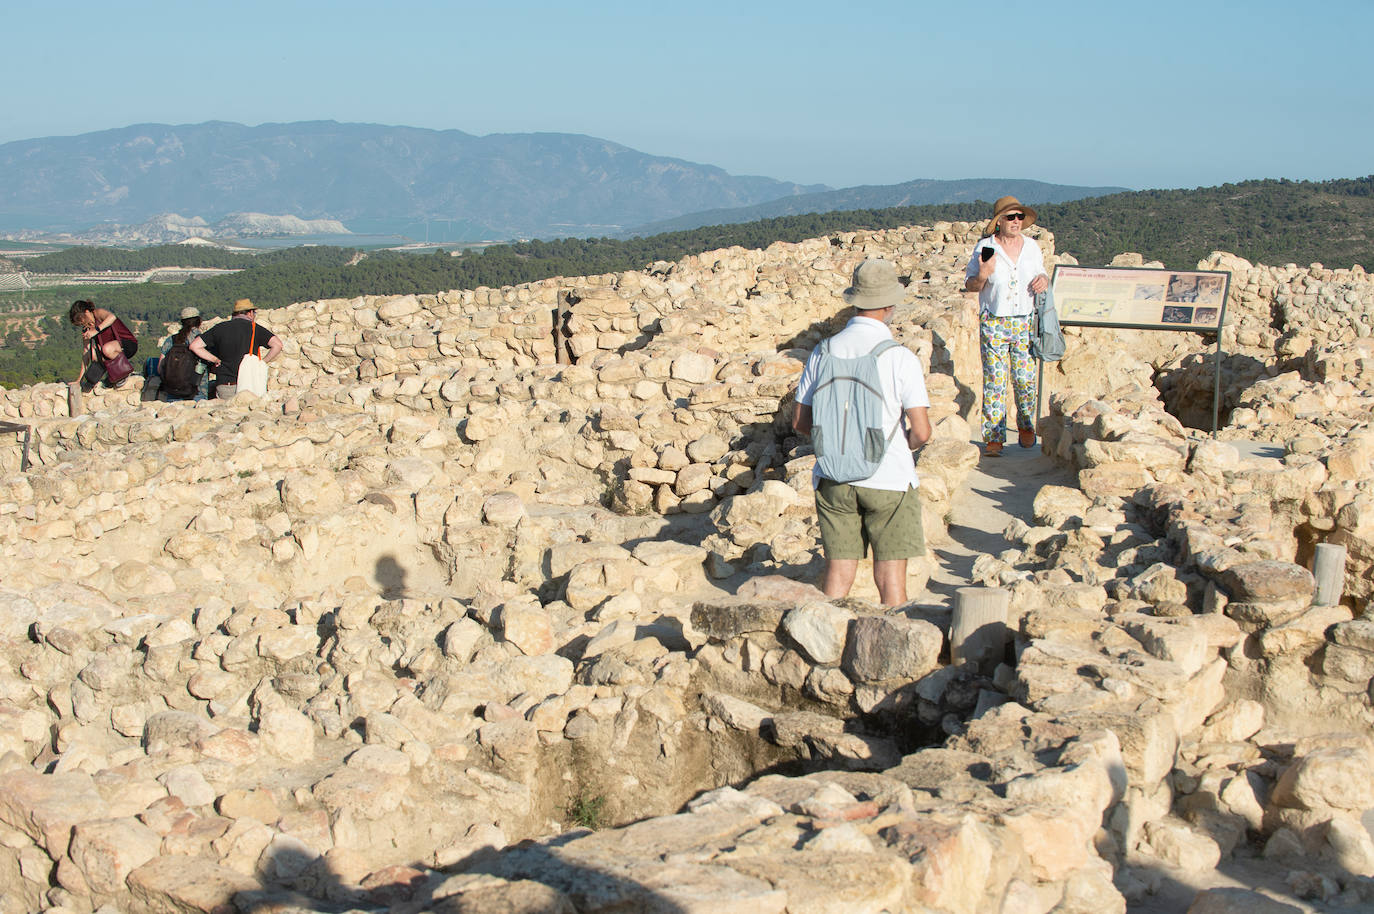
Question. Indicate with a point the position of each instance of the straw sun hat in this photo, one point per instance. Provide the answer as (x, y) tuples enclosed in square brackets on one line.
[(1007, 205)]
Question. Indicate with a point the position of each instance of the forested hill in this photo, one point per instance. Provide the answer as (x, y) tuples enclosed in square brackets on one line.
[(1274, 222), (1268, 221)]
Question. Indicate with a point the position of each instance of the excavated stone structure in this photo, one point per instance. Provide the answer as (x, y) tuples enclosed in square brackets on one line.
[(501, 601)]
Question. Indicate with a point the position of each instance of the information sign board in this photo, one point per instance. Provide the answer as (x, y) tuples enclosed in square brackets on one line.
[(1140, 298)]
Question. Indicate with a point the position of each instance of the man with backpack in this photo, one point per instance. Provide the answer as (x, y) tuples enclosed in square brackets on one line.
[(862, 399)]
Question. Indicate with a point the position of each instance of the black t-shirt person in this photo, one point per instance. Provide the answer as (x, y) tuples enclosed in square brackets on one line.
[(229, 342)]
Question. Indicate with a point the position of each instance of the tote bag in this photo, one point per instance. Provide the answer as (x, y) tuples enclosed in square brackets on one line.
[(253, 370)]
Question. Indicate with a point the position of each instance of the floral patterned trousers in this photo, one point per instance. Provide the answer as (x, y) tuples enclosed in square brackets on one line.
[(1005, 346)]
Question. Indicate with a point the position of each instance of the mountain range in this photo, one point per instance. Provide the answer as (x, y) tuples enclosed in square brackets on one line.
[(500, 186)]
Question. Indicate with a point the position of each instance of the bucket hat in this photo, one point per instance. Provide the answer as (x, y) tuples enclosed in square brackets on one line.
[(189, 313), (1006, 205), (243, 305), (875, 285)]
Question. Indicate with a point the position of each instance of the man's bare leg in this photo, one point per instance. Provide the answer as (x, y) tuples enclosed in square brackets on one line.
[(890, 576), (839, 576)]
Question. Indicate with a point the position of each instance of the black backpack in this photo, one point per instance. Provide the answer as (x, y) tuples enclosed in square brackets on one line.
[(178, 370)]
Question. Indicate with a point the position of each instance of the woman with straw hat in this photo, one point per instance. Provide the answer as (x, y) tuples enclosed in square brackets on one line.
[(1007, 271)]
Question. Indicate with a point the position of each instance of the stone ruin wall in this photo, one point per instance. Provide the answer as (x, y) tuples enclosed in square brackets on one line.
[(205, 694)]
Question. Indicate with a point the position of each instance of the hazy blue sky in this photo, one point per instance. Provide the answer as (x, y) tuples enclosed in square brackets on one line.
[(1161, 94)]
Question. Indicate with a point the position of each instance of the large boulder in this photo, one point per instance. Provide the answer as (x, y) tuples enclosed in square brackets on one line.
[(881, 648)]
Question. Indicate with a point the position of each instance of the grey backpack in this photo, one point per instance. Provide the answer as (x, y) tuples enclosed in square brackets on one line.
[(847, 414)]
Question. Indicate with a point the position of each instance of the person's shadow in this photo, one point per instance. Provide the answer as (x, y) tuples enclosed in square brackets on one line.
[(391, 577), (530, 876)]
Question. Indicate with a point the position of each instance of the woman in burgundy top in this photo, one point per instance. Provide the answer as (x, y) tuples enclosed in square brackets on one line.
[(106, 338)]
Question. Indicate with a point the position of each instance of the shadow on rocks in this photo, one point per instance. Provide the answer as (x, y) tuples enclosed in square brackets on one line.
[(1247, 883), (532, 877)]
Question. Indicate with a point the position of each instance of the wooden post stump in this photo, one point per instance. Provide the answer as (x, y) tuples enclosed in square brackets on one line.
[(1328, 567), (978, 627)]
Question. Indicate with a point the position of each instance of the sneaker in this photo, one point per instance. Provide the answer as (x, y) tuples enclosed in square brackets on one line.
[(1026, 437), (992, 449)]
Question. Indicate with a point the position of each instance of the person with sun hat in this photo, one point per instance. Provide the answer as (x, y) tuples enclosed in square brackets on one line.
[(1007, 270)]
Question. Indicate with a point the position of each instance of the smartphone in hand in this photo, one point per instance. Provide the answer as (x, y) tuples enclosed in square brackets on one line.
[(988, 254)]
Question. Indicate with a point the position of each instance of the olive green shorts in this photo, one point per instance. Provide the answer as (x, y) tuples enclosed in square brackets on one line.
[(854, 519)]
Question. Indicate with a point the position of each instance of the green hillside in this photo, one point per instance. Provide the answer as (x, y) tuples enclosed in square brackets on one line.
[(1272, 222)]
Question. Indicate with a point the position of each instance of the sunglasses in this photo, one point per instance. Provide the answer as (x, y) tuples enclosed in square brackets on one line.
[(1013, 215)]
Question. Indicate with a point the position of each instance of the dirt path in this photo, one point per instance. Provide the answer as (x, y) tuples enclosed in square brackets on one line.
[(998, 490)]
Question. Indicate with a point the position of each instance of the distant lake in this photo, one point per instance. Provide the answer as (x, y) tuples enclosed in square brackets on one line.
[(276, 242), (433, 231)]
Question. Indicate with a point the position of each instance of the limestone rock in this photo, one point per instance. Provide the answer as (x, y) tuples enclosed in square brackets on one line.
[(106, 852), (707, 449), (819, 629), (187, 884), (45, 808), (526, 626), (1263, 582), (188, 785), (287, 734), (504, 509), (1180, 846), (1334, 778), (1235, 722), (1351, 845), (890, 647), (724, 621), (311, 492)]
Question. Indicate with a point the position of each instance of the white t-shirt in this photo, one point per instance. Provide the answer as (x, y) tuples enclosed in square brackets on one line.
[(903, 382), (1007, 293)]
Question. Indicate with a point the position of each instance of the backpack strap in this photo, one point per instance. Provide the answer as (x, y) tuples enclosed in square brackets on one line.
[(876, 351), (253, 339), (882, 347)]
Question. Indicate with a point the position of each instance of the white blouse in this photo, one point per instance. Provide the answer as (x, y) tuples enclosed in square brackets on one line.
[(1007, 293)]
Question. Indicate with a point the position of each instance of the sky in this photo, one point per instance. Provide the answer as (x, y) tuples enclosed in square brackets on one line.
[(1142, 95)]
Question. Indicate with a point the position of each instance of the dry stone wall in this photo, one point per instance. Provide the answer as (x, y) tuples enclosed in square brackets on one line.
[(458, 581)]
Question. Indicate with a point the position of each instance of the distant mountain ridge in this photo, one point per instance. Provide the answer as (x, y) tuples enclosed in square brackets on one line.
[(921, 192), (497, 186)]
